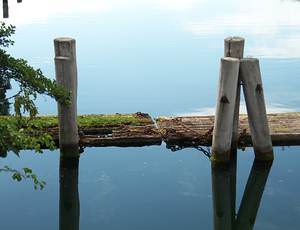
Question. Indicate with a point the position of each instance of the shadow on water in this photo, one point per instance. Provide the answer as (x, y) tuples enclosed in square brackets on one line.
[(69, 205), (224, 195)]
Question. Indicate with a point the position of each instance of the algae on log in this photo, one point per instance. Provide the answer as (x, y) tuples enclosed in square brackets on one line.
[(124, 130)]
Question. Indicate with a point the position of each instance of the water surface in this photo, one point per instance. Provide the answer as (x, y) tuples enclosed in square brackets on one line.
[(160, 57)]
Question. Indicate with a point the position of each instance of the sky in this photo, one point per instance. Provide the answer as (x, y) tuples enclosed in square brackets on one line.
[(268, 20)]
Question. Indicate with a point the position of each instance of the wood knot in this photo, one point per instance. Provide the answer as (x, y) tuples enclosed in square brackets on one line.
[(259, 88), (224, 100)]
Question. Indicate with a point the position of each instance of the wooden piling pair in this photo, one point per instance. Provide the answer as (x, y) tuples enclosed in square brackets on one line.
[(235, 70)]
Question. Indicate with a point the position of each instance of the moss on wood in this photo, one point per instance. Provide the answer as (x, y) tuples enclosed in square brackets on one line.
[(102, 120)]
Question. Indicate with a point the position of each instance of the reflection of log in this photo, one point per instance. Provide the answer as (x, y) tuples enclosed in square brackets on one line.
[(69, 209), (252, 195), (223, 196)]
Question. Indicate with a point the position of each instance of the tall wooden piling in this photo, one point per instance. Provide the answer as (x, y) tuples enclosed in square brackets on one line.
[(222, 134), (5, 9), (66, 75), (234, 47), (255, 103)]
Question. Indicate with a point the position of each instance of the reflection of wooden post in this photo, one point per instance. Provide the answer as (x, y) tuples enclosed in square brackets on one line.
[(69, 208), (223, 214), (254, 96), (222, 134), (252, 195), (5, 9), (19, 1), (66, 75)]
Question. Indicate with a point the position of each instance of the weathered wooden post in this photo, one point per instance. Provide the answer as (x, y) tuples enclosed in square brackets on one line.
[(252, 195), (5, 9), (255, 103), (234, 47), (223, 125), (66, 75)]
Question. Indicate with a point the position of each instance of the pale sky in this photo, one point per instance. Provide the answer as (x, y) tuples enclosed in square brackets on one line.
[(264, 19)]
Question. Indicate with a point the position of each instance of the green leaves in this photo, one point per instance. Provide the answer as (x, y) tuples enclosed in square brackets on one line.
[(26, 173), (22, 134), (5, 33)]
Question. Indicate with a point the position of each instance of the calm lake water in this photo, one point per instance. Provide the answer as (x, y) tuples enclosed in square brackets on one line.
[(160, 57)]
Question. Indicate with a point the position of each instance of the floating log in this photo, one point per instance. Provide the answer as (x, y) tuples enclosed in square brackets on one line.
[(197, 130), (123, 130), (138, 129)]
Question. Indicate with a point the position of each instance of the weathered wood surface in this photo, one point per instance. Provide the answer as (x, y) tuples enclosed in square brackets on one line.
[(222, 134), (141, 132), (197, 130), (66, 76)]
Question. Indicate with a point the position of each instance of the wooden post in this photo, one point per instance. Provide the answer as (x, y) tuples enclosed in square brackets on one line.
[(252, 195), (69, 208), (255, 103), (66, 75), (234, 47), (223, 125), (5, 9)]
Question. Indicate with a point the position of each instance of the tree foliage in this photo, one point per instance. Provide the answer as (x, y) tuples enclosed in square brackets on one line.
[(28, 83)]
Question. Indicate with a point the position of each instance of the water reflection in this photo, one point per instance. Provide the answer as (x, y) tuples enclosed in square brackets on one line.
[(69, 208), (224, 190)]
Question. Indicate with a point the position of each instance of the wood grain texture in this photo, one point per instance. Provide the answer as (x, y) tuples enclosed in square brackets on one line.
[(197, 130)]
